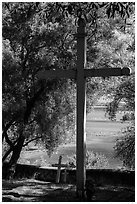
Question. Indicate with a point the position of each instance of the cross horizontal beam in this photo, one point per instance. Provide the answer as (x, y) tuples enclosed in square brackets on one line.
[(57, 74), (104, 72)]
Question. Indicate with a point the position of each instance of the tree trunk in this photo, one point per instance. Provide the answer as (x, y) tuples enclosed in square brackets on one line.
[(7, 154), (15, 156), (12, 145), (18, 147)]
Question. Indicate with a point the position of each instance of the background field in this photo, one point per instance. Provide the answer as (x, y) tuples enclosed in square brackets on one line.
[(101, 136)]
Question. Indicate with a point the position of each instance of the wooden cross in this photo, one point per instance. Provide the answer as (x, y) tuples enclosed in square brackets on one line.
[(59, 166), (59, 170), (80, 75)]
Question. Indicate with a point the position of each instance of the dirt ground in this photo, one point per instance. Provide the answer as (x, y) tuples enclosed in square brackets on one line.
[(30, 190)]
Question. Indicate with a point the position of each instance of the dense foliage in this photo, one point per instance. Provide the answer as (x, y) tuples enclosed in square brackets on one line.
[(40, 36), (125, 147), (93, 161)]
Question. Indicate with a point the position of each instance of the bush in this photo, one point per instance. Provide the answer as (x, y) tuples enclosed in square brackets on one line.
[(94, 160), (125, 147)]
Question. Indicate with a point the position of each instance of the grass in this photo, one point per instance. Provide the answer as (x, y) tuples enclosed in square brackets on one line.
[(101, 137)]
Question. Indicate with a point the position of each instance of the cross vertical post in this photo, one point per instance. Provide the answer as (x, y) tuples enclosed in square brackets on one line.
[(81, 109)]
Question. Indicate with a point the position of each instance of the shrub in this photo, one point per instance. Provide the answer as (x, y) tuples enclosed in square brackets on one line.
[(125, 147), (94, 160)]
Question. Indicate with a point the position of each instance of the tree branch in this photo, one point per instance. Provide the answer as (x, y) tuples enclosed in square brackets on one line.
[(5, 128), (31, 103), (31, 141), (5, 135), (9, 151)]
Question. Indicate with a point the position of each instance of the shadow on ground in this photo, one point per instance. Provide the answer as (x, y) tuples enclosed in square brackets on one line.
[(30, 190)]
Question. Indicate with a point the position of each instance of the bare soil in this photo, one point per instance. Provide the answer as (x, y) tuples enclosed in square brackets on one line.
[(30, 190)]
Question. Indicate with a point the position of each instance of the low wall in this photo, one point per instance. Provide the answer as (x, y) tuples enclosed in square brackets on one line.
[(100, 176)]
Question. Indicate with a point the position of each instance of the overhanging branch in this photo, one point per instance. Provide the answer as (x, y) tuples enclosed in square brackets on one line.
[(31, 141)]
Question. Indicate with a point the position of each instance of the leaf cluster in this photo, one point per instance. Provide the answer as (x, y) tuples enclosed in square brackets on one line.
[(125, 92), (125, 147), (94, 160)]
